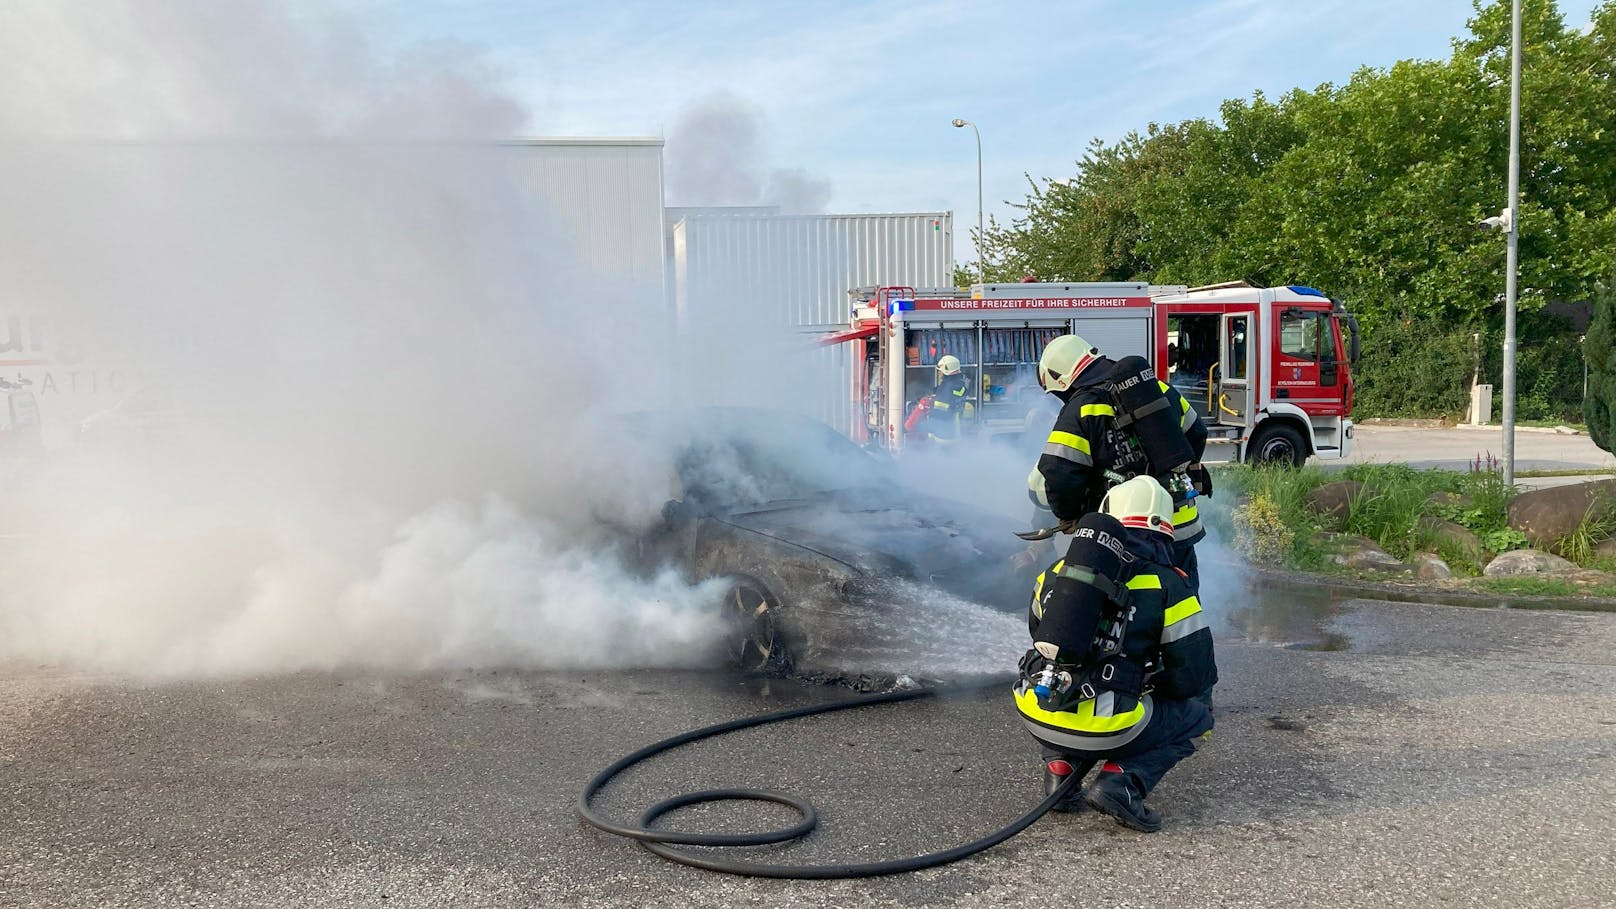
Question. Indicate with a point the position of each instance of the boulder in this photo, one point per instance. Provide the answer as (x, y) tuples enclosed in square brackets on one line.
[(1548, 516), (1605, 552), (1443, 497), (1333, 499), (1429, 565), (1352, 551), (1456, 537), (1518, 562)]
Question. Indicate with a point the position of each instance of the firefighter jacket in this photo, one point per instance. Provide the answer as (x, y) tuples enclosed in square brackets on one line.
[(1086, 443), (947, 407), (1164, 638)]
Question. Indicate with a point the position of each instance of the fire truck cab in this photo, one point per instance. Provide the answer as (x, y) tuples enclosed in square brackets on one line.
[(1268, 368)]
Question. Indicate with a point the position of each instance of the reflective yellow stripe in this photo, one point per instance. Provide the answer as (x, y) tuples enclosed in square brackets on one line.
[(1144, 582), (939, 405), (1182, 610), (1097, 410), (1038, 588), (1080, 720), (1185, 514), (1070, 440)]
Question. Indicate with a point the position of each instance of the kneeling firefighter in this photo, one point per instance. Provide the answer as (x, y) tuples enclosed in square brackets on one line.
[(1118, 421), (1122, 669)]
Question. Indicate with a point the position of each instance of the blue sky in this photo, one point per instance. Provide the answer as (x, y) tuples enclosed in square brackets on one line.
[(861, 93)]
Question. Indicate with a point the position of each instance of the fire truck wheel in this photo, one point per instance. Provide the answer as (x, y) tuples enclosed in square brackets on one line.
[(753, 640), (1277, 444)]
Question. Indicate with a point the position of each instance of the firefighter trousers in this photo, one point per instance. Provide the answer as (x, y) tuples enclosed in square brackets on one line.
[(1176, 729)]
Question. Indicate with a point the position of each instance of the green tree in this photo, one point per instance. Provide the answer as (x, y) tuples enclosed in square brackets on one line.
[(1599, 408)]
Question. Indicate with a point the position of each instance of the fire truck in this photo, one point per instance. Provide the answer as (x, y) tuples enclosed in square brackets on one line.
[(1269, 368)]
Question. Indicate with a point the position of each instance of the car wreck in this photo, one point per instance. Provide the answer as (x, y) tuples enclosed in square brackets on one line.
[(817, 541)]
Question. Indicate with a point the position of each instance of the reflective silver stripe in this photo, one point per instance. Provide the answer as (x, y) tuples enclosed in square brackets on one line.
[(1184, 627), (1106, 704), (1069, 453), (1190, 416), (1182, 532), (1090, 742)]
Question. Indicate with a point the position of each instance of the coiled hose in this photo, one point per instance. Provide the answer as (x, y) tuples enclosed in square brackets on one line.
[(662, 842)]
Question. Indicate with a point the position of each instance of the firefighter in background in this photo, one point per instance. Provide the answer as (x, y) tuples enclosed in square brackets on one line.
[(1095, 445), (949, 405), (1122, 666)]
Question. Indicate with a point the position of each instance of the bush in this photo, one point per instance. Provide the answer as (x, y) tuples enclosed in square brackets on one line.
[(1415, 368)]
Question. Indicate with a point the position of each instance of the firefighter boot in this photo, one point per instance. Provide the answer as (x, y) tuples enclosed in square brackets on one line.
[(1115, 795), (1056, 772)]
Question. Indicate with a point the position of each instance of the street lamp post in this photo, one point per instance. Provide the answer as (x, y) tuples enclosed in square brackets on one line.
[(981, 257), (1513, 227)]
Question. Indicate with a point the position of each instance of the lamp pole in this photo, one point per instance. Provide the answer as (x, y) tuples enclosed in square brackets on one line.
[(981, 259), (1512, 237)]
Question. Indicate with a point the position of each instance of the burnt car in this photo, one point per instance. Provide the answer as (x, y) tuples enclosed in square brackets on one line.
[(819, 546)]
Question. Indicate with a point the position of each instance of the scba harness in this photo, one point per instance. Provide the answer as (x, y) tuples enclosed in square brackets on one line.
[(1079, 619), (1147, 437)]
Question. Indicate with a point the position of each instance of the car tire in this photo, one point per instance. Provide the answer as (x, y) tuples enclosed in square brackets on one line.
[(753, 641), (1280, 444)]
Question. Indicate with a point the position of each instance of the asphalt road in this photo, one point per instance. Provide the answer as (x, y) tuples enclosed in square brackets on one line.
[(1457, 447), (1366, 754)]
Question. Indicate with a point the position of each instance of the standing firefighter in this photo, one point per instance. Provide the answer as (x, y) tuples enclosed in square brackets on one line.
[(1121, 670), (949, 403), (1118, 421)]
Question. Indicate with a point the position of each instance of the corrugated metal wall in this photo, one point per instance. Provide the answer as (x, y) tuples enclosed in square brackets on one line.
[(800, 267), (745, 271), (607, 193)]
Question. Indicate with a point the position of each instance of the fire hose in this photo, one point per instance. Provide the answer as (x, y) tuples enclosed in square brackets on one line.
[(661, 841)]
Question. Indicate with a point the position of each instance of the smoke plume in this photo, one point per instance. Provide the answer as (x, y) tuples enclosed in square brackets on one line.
[(357, 403), (715, 157)]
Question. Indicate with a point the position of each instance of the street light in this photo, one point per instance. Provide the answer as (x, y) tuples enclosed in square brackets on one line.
[(1513, 236), (981, 260), (1508, 221)]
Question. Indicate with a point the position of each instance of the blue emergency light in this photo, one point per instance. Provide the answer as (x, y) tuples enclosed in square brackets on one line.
[(894, 306), (1305, 291)]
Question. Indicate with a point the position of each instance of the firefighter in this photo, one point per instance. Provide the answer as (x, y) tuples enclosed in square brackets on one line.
[(949, 404), (1093, 445), (1122, 667)]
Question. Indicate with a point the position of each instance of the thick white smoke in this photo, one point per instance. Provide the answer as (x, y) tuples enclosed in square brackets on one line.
[(715, 157), (388, 390)]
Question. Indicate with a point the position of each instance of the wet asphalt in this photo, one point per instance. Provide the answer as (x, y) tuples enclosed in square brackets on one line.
[(1367, 754)]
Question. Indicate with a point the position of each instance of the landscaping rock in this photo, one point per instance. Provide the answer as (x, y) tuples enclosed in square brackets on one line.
[(1332, 499), (1353, 551), (1518, 562), (1548, 516), (1605, 553), (1456, 537), (1429, 565), (1443, 497)]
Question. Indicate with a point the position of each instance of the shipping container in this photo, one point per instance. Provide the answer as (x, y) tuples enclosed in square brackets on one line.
[(751, 270), (800, 267), (607, 196)]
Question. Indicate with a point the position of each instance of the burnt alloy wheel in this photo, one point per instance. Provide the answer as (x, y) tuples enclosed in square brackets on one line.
[(1279, 444), (753, 641)]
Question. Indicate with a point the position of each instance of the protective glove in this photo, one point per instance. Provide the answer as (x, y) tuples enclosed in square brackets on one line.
[(1201, 478), (1035, 553)]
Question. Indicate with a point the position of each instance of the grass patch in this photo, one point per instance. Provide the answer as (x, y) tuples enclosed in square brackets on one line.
[(1568, 472), (1544, 587)]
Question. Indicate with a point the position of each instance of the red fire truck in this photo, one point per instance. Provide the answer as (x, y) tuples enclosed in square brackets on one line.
[(1268, 367)]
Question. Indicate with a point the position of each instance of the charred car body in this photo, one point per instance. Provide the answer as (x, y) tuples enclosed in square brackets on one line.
[(814, 539)]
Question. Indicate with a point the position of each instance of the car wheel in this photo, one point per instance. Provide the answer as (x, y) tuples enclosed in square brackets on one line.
[(754, 641), (1281, 444)]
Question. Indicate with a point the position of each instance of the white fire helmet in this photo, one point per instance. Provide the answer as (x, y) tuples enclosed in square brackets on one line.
[(1140, 503), (949, 365), (1064, 358), (1036, 490)]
